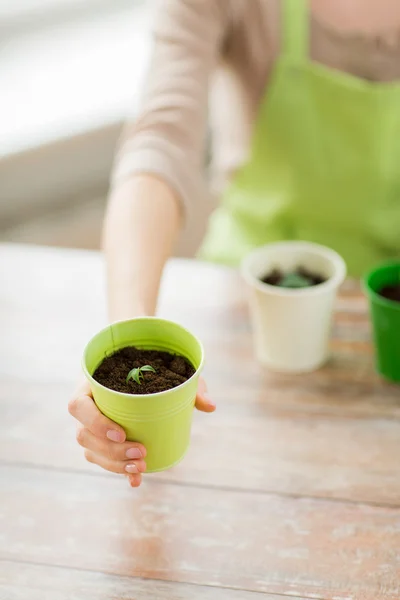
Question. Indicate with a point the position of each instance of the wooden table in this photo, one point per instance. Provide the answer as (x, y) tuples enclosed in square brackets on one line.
[(290, 490)]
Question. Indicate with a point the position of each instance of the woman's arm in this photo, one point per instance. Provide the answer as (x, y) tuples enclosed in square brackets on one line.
[(141, 227), (158, 174)]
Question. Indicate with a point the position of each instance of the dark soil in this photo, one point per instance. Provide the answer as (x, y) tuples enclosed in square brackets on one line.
[(171, 370), (278, 277), (391, 292)]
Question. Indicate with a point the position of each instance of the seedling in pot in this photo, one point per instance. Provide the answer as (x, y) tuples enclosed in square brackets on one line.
[(297, 279), (152, 412), (137, 373), (160, 371)]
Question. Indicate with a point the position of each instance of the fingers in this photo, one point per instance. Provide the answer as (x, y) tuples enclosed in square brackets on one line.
[(127, 452), (104, 441), (121, 467), (135, 480), (203, 400), (83, 408)]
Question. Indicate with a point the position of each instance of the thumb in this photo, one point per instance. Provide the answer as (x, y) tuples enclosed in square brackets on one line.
[(203, 400), (82, 407)]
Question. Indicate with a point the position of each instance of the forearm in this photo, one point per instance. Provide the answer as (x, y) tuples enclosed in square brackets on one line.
[(141, 227)]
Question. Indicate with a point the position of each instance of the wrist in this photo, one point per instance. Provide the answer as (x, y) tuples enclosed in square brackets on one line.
[(129, 310)]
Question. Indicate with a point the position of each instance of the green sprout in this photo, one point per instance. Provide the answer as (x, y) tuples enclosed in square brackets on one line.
[(295, 280), (137, 373)]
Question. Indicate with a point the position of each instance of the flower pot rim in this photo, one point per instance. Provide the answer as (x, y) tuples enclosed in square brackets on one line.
[(142, 396), (333, 282)]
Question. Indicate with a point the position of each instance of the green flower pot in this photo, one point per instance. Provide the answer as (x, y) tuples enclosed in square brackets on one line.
[(162, 421), (385, 315)]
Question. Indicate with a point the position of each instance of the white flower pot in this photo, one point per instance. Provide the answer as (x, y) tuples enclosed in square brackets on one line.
[(292, 326)]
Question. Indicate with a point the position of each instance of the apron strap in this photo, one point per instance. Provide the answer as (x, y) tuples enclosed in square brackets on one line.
[(295, 28)]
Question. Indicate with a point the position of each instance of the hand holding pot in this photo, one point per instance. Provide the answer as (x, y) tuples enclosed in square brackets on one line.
[(105, 442)]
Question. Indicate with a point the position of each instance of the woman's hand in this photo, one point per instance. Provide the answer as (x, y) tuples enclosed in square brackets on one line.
[(105, 442)]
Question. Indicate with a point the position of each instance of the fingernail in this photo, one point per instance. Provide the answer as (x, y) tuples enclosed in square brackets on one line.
[(209, 401), (131, 469), (115, 436), (133, 453)]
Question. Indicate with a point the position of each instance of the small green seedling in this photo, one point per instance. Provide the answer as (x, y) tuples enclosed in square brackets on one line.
[(295, 280), (137, 373)]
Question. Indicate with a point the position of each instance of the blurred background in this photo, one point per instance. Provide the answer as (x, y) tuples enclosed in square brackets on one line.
[(71, 72)]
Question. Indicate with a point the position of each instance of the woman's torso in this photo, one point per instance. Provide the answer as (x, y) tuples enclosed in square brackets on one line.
[(354, 36)]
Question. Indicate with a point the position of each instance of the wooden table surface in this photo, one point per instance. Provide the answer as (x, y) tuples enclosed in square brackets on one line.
[(291, 489)]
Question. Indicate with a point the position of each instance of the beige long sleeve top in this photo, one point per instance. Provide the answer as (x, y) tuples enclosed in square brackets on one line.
[(211, 62)]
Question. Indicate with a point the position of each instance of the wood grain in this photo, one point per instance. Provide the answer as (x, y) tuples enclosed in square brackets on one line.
[(259, 437), (247, 444), (334, 433), (291, 488), (38, 582), (48, 315), (249, 541)]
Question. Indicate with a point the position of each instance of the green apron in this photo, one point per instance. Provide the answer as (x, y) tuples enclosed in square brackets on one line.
[(324, 163)]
